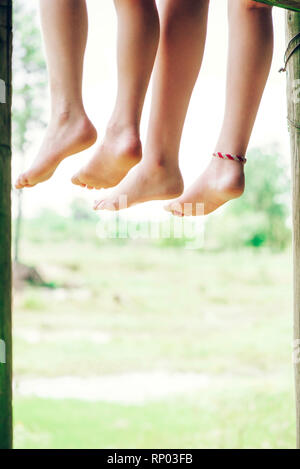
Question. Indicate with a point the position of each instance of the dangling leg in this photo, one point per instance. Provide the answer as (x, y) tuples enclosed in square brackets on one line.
[(183, 33), (65, 28), (250, 57), (138, 35)]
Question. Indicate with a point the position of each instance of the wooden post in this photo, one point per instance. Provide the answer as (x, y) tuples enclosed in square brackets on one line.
[(293, 93), (6, 428), (289, 4)]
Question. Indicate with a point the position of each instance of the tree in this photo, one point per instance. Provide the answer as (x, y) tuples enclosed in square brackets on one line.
[(29, 89), (5, 226)]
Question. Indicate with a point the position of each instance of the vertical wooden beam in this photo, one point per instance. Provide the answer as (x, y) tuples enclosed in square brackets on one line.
[(6, 428), (293, 93)]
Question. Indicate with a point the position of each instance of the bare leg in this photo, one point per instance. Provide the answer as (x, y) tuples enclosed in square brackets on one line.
[(250, 57), (65, 28), (183, 33), (138, 35)]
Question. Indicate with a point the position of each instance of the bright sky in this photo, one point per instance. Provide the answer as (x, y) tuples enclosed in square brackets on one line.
[(204, 116)]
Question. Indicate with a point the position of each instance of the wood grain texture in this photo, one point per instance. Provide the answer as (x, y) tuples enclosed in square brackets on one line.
[(293, 94), (289, 4), (5, 226)]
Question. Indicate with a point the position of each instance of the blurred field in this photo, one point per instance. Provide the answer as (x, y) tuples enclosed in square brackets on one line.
[(123, 308), (150, 345)]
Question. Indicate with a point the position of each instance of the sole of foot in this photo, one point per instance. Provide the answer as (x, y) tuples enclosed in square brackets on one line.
[(65, 136), (118, 154), (221, 182), (144, 184)]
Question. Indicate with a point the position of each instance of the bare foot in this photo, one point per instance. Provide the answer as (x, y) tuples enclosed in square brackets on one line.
[(65, 136), (144, 183), (119, 152), (223, 180)]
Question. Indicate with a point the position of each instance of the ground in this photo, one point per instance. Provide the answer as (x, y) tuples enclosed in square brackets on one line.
[(217, 326)]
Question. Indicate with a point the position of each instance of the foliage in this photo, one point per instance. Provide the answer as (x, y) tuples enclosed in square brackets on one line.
[(81, 210), (29, 76), (29, 88)]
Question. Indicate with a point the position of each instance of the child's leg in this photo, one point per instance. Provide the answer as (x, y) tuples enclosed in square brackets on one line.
[(183, 32), (250, 56), (70, 131), (138, 35)]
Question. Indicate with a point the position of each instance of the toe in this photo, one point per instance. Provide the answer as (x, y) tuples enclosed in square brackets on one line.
[(75, 180), (175, 208), (168, 208), (177, 214), (22, 181), (82, 180)]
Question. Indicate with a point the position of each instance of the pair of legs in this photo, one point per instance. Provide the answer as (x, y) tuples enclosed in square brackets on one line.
[(65, 28), (180, 50)]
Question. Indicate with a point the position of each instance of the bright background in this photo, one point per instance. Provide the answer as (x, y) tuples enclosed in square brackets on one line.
[(144, 343), (204, 117)]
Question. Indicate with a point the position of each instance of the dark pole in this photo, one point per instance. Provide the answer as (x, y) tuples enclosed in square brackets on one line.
[(6, 427)]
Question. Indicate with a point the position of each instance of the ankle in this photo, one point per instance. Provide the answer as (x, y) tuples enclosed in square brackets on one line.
[(225, 145), (167, 168), (77, 126), (228, 176), (227, 165), (124, 142), (162, 163), (120, 129), (120, 123), (64, 116)]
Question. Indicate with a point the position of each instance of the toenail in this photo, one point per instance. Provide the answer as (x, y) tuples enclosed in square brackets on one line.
[(177, 214)]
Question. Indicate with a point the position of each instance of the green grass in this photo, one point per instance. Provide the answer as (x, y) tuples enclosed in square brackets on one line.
[(227, 315), (245, 417)]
